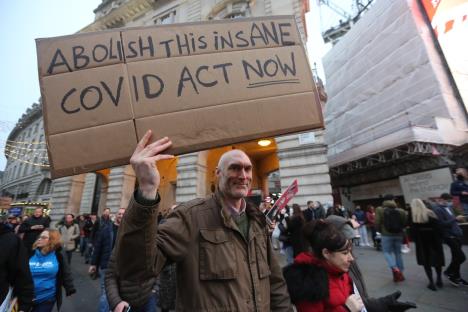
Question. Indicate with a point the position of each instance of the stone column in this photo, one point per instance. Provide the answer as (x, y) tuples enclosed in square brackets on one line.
[(88, 193), (66, 197), (191, 176), (121, 185), (307, 162)]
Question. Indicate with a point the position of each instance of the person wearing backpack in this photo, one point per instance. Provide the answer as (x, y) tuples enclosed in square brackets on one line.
[(390, 221)]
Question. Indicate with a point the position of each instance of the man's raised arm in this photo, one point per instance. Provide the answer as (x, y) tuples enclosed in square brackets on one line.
[(135, 249)]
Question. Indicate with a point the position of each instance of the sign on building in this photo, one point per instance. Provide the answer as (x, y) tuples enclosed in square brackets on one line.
[(427, 184), (201, 84)]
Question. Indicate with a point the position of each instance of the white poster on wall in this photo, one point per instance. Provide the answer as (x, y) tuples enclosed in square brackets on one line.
[(427, 184)]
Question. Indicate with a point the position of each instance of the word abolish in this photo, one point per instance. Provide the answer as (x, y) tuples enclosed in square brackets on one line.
[(79, 57)]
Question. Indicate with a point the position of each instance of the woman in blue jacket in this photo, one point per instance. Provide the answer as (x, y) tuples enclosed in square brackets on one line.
[(49, 272)]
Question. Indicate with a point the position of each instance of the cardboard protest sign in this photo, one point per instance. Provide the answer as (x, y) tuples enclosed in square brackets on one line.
[(202, 84)]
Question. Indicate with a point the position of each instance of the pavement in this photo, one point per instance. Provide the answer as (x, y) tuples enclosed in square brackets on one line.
[(373, 266)]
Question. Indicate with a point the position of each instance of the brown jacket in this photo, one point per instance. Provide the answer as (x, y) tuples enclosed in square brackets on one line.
[(217, 269)]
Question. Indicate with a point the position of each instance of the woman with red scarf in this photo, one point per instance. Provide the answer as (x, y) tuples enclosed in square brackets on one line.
[(318, 281)]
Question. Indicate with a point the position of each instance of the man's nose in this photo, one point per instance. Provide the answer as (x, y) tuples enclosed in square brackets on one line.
[(242, 173)]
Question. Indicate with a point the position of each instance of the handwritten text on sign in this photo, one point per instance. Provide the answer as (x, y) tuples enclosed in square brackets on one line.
[(165, 43), (186, 81)]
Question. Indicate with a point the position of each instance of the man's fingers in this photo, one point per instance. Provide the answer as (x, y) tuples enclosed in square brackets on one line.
[(161, 157), (158, 142), (155, 149), (144, 140)]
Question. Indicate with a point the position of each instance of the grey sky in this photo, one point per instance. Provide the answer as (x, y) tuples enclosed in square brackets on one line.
[(22, 21)]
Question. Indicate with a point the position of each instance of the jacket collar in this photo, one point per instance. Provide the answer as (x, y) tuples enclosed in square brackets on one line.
[(253, 213), (389, 203)]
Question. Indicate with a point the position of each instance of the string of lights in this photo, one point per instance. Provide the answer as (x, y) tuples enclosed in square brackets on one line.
[(34, 155), (29, 162), (25, 148), (26, 142)]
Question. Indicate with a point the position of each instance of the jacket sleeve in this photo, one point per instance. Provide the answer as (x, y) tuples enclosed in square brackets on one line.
[(112, 287), (443, 220), (279, 297), (456, 188), (23, 286), (67, 277), (25, 227), (378, 219), (142, 250), (76, 231), (96, 257)]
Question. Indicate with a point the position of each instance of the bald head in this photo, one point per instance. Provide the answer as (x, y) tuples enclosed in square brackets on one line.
[(226, 157), (234, 174)]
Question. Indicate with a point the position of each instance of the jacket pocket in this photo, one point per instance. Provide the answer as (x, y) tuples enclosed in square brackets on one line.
[(262, 256), (217, 255)]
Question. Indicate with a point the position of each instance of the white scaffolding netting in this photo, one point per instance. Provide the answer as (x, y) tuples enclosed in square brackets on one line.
[(387, 86)]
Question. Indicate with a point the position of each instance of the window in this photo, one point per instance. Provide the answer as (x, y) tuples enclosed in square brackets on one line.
[(232, 9), (44, 187), (166, 18), (20, 169), (26, 169)]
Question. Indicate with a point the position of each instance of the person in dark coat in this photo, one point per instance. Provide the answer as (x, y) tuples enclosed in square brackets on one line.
[(424, 229), (14, 269), (32, 227), (453, 234), (295, 225), (50, 272), (314, 211), (459, 188)]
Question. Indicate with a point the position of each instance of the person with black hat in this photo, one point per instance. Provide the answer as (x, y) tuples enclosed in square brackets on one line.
[(452, 237)]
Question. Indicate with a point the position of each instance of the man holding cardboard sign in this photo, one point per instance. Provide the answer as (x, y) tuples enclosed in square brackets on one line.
[(224, 257)]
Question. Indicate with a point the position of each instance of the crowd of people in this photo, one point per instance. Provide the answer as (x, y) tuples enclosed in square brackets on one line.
[(218, 253), (37, 258)]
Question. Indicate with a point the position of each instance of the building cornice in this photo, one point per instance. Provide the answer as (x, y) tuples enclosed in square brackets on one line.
[(32, 113), (121, 15)]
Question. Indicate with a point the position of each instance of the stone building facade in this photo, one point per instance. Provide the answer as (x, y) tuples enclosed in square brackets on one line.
[(394, 121), (298, 156), (26, 177)]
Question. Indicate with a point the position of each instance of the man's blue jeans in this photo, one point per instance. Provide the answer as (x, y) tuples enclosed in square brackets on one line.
[(103, 304), (465, 208), (391, 247)]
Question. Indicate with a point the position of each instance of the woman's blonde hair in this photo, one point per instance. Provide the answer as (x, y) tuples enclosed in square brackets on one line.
[(53, 244), (419, 212)]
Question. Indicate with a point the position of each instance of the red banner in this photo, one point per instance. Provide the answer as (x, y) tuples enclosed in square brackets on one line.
[(282, 201)]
